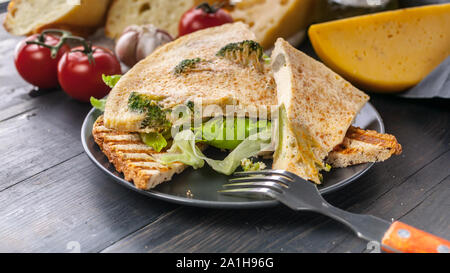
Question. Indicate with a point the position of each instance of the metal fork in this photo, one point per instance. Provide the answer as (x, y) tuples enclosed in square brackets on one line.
[(299, 194)]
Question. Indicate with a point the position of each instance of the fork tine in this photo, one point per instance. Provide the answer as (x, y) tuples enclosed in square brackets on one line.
[(267, 172), (272, 185), (265, 191), (277, 179)]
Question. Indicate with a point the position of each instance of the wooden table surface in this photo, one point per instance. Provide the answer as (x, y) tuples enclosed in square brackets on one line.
[(54, 199)]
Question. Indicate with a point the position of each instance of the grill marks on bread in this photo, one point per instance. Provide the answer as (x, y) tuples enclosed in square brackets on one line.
[(362, 146), (133, 158)]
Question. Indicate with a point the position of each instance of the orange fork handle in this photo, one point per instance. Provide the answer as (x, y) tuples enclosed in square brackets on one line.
[(403, 238)]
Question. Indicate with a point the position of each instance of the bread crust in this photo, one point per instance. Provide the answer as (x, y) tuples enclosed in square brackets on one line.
[(320, 106), (133, 158), (80, 20), (8, 21), (363, 146)]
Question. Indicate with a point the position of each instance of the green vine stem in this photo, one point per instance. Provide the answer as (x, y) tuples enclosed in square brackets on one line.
[(64, 37), (210, 9)]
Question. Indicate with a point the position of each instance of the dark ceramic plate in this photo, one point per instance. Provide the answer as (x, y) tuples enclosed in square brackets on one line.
[(199, 187)]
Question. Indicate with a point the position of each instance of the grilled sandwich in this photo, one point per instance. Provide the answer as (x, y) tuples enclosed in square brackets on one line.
[(130, 156), (317, 108), (138, 162), (219, 67), (224, 67)]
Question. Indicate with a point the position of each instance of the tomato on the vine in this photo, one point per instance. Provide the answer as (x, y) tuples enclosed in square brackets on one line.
[(80, 72), (201, 17), (35, 63)]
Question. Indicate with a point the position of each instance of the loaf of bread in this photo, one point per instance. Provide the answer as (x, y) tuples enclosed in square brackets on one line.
[(268, 19), (25, 17), (164, 14), (272, 19)]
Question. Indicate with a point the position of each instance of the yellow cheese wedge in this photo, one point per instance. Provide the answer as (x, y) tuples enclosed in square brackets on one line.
[(385, 52)]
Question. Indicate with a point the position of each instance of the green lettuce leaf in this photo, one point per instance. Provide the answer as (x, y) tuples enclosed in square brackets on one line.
[(184, 150), (248, 148), (154, 140), (221, 134), (109, 81), (99, 104), (112, 80)]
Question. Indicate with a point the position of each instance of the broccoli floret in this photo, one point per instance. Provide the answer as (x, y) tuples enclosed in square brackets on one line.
[(190, 105), (139, 102), (185, 65), (326, 168), (245, 53), (155, 116), (248, 165)]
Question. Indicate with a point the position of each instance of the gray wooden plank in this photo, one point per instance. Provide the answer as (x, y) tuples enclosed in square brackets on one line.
[(41, 138), (13, 90), (435, 223), (281, 230), (202, 230), (422, 127), (71, 202), (272, 230), (35, 132), (404, 199), (3, 6), (430, 213), (194, 230)]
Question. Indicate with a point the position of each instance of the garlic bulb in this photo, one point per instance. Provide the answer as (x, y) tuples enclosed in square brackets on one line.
[(137, 42)]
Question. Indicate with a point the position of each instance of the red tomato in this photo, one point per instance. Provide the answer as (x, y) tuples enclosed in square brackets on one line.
[(35, 64), (81, 79), (201, 17)]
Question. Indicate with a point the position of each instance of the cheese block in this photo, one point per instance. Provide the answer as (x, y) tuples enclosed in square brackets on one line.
[(388, 51), (272, 19), (25, 17), (163, 14)]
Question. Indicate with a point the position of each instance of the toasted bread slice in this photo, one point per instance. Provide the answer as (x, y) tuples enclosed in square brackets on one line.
[(318, 107), (133, 158), (215, 81), (32, 16), (362, 146)]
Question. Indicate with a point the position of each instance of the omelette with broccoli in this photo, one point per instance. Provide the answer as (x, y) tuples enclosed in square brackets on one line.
[(212, 88)]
